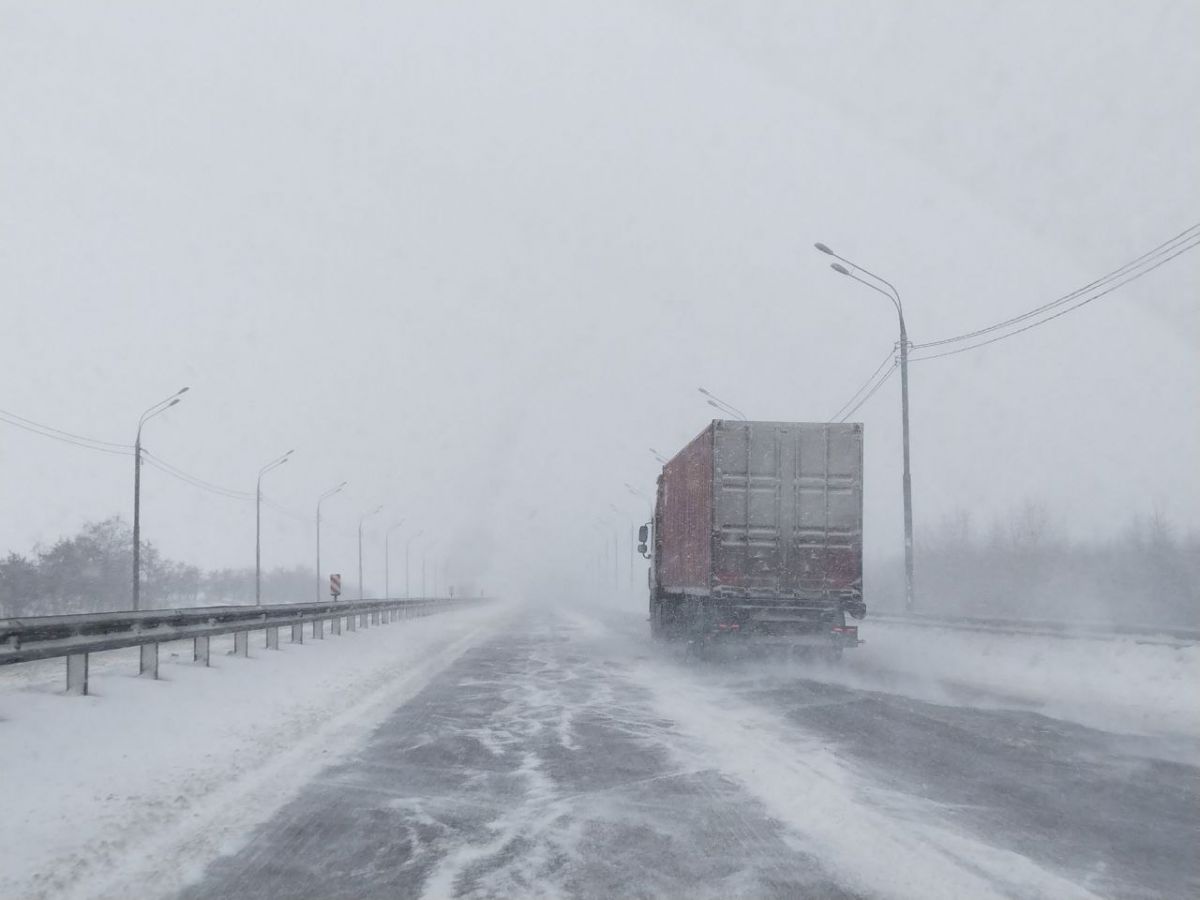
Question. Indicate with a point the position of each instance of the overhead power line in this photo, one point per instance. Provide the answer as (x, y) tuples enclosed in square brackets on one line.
[(66, 437), (866, 384), (869, 394), (176, 472), (283, 510), (1186, 240), (1062, 312)]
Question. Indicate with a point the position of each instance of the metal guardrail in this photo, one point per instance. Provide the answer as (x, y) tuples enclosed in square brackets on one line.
[(75, 636), (1148, 634)]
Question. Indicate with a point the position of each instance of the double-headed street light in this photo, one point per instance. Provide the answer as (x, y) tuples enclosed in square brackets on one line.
[(320, 500), (387, 561), (273, 464), (160, 407), (362, 519), (894, 295), (717, 403)]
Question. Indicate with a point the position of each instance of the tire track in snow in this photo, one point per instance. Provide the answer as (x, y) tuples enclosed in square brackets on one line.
[(878, 841)]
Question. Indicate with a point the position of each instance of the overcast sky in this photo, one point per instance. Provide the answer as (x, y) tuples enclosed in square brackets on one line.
[(476, 258)]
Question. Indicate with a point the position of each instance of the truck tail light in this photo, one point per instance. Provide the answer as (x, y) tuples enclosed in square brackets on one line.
[(850, 631)]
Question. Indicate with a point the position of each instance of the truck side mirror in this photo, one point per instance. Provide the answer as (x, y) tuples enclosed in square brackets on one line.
[(643, 536), (642, 549)]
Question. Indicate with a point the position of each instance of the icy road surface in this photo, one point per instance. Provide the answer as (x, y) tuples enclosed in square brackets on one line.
[(566, 755)]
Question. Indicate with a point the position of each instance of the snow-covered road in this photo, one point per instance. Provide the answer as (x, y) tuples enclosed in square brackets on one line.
[(560, 753), (569, 756)]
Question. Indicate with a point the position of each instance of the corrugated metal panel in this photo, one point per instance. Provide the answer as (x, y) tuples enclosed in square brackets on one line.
[(788, 508)]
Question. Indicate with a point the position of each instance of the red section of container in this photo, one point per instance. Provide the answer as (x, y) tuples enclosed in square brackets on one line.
[(684, 534)]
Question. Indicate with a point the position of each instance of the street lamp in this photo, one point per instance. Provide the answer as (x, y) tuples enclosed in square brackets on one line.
[(160, 407), (387, 561), (893, 295), (362, 519), (717, 403), (407, 545), (320, 500), (275, 463), (658, 456)]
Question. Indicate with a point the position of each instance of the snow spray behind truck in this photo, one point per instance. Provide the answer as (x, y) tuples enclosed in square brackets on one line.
[(758, 536)]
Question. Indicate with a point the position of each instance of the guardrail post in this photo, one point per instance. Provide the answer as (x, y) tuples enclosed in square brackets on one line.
[(241, 643), (148, 664), (298, 633), (374, 617), (318, 629), (335, 625), (273, 638), (77, 674), (200, 651), (351, 622)]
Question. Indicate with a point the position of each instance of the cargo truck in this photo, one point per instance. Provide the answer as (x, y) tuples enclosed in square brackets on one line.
[(757, 536)]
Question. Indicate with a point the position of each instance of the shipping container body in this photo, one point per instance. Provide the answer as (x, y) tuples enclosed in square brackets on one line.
[(758, 531)]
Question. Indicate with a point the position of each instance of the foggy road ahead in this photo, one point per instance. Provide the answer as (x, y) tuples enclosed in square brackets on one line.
[(572, 757)]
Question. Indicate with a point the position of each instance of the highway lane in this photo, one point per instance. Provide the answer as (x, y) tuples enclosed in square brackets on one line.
[(572, 757)]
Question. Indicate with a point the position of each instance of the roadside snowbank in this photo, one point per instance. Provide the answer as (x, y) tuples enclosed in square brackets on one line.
[(145, 781), (1114, 685)]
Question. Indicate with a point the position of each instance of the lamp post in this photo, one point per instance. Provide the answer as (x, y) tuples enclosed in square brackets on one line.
[(719, 404), (362, 519), (320, 500), (275, 463), (160, 407), (387, 561), (407, 545), (894, 295)]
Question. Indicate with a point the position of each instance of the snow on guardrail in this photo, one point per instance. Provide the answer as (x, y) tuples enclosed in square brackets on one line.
[(74, 637)]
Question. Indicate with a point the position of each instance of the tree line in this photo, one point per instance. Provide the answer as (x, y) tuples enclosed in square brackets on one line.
[(1024, 566), (92, 571)]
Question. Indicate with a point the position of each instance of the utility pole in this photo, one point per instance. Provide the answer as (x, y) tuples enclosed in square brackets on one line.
[(320, 500), (279, 461), (407, 545), (387, 561), (893, 295), (361, 519), (160, 407)]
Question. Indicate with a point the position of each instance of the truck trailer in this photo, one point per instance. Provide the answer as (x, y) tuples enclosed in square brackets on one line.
[(758, 536)]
